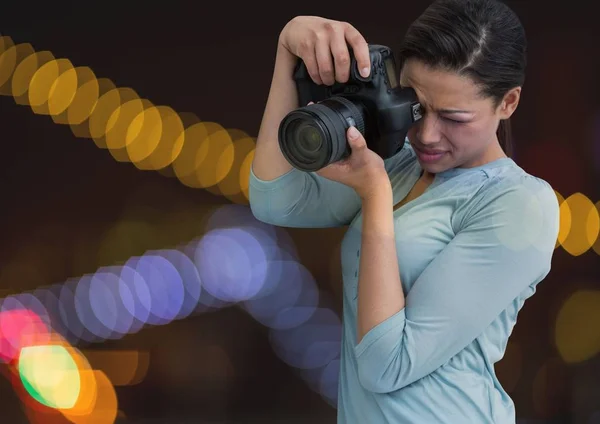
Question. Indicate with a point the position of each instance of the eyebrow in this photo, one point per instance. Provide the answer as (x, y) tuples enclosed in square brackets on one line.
[(453, 111)]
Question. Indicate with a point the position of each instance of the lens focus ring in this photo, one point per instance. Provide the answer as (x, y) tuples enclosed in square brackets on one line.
[(359, 122)]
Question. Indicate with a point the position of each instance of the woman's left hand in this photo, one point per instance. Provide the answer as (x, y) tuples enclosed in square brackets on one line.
[(363, 169)]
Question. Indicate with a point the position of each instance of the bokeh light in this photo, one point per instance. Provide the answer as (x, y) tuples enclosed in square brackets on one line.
[(122, 367), (25, 71), (576, 331), (50, 375), (239, 261), (579, 224), (313, 344), (288, 298), (19, 328), (56, 383), (229, 261), (316, 354), (200, 154), (84, 99), (42, 87), (585, 224), (596, 244), (62, 92)]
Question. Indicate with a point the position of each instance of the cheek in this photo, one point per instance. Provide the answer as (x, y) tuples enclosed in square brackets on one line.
[(462, 137)]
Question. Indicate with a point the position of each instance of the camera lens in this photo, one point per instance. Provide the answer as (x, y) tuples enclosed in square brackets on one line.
[(314, 136), (309, 138)]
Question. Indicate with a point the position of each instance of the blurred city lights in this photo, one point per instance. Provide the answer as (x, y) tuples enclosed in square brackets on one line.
[(239, 261), (122, 367), (577, 337), (55, 380), (199, 154), (582, 219), (133, 129), (579, 224), (19, 328), (50, 375)]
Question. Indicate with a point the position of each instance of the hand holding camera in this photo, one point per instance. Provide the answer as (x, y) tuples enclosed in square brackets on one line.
[(322, 44), (330, 73)]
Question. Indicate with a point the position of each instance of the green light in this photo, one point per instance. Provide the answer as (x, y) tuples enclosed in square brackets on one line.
[(50, 375)]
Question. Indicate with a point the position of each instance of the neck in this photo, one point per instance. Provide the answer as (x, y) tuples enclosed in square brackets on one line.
[(492, 153)]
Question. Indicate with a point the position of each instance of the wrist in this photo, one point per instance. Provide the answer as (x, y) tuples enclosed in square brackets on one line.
[(282, 47), (380, 190), (282, 40), (284, 55)]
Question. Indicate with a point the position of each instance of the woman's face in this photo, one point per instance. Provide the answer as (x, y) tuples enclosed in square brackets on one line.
[(458, 128)]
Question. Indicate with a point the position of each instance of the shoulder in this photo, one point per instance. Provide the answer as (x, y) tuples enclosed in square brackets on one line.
[(517, 206), (512, 186)]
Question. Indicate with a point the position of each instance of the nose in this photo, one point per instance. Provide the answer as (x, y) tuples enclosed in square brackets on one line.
[(428, 130)]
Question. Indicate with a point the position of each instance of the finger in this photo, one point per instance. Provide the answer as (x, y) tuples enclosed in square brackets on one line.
[(355, 139), (324, 60), (360, 49), (341, 55), (310, 61)]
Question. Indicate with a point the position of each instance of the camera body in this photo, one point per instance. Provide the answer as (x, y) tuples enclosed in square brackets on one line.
[(314, 136)]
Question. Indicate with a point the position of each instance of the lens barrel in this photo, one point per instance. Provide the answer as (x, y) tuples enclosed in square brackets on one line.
[(314, 136)]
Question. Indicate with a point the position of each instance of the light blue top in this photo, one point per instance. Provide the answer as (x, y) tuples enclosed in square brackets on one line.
[(471, 249)]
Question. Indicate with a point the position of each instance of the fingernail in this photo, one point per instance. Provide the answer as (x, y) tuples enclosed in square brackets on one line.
[(365, 72), (353, 132)]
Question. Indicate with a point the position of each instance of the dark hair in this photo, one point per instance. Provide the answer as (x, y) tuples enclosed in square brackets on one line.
[(481, 39)]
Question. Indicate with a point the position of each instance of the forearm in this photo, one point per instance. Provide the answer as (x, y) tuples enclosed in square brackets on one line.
[(269, 163), (380, 293)]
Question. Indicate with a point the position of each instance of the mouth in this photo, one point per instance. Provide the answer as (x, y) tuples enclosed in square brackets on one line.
[(429, 156)]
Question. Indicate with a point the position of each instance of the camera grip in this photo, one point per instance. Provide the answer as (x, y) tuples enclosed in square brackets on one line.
[(308, 90)]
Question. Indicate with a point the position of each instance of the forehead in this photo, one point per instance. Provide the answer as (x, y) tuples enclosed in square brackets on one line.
[(438, 88)]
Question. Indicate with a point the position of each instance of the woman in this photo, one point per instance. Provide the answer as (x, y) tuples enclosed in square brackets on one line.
[(446, 240)]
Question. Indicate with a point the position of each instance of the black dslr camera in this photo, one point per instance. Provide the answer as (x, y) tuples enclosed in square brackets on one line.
[(311, 137)]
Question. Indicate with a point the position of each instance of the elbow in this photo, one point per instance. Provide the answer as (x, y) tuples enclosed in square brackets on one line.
[(386, 360), (261, 210), (379, 378), (259, 202), (371, 382)]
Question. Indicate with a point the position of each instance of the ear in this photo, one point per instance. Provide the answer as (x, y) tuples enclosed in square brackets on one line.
[(509, 103)]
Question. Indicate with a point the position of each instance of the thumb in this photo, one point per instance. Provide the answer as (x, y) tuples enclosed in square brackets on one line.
[(355, 139)]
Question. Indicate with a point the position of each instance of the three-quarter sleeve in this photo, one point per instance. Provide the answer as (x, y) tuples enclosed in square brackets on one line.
[(308, 200), (501, 250), (302, 199)]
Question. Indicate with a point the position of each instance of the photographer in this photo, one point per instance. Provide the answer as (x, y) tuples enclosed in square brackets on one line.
[(446, 238)]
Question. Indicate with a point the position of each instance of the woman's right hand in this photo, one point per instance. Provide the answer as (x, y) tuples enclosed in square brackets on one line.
[(323, 46)]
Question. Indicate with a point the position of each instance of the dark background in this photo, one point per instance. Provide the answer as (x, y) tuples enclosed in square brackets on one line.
[(61, 195)]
